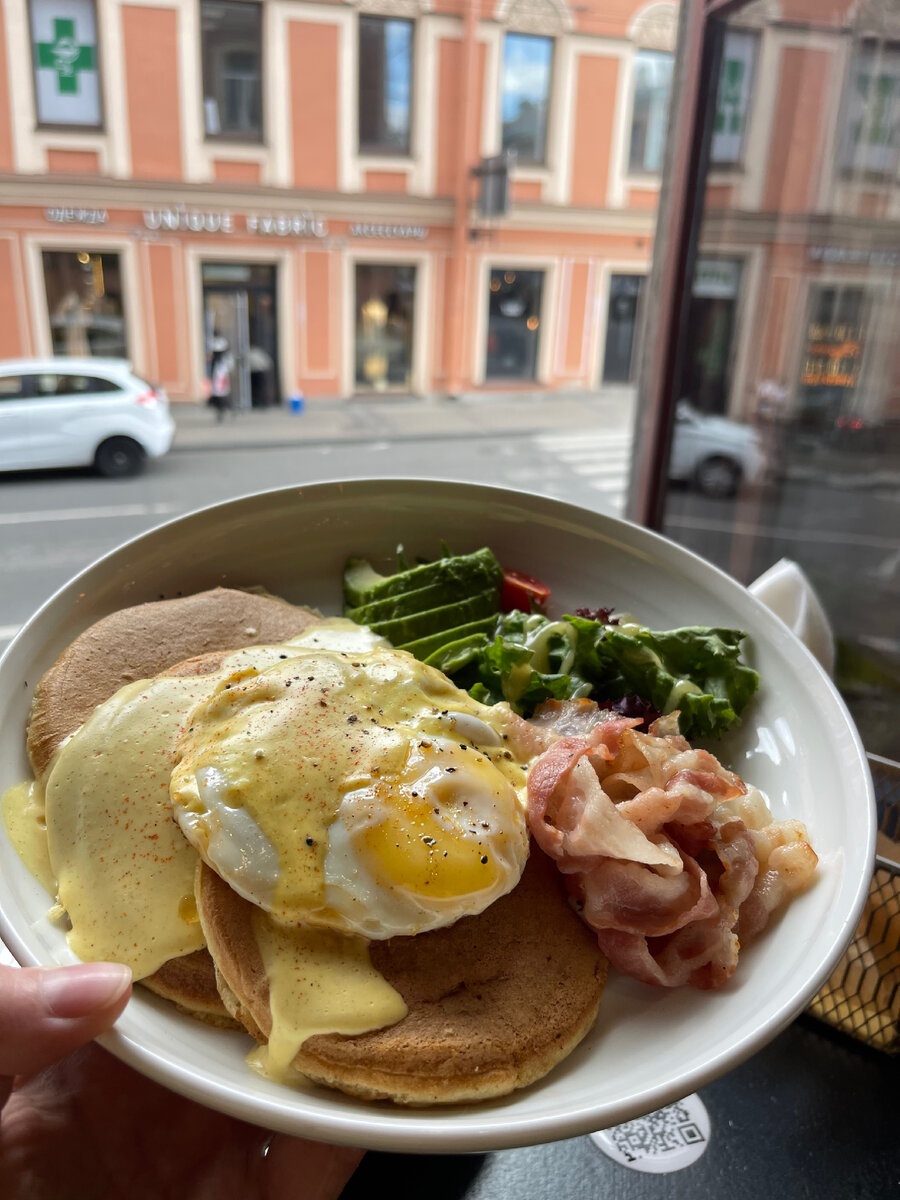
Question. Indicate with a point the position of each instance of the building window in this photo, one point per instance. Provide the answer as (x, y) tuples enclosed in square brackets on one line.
[(84, 301), (385, 85), (514, 324), (64, 51), (650, 113), (385, 304), (832, 354), (626, 295), (870, 138), (733, 99), (525, 96), (231, 38)]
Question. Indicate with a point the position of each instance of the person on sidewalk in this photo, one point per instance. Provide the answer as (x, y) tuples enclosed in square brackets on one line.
[(221, 368)]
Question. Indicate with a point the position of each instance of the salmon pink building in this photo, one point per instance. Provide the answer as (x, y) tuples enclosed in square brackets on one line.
[(317, 183)]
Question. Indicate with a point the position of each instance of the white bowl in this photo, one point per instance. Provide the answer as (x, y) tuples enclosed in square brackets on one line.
[(649, 1046)]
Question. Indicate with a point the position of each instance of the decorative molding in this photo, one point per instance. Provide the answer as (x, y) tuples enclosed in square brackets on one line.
[(756, 15), (410, 9), (655, 27), (548, 17)]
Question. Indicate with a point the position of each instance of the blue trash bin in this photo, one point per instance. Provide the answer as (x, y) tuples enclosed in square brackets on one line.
[(296, 403)]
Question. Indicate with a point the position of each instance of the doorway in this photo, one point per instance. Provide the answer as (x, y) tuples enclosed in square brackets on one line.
[(240, 305)]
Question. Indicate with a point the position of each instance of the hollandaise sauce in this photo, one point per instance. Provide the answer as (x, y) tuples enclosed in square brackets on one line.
[(25, 819), (320, 981), (123, 868)]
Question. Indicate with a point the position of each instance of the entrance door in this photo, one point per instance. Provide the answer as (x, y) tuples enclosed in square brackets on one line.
[(239, 305)]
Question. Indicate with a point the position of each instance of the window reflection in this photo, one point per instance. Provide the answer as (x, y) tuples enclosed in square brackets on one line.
[(789, 372), (385, 84), (652, 89), (84, 302), (514, 321), (385, 301), (526, 95)]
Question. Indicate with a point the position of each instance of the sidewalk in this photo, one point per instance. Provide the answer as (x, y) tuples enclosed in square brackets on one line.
[(481, 415)]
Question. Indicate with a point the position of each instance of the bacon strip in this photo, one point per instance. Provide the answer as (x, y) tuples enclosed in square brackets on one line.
[(651, 836)]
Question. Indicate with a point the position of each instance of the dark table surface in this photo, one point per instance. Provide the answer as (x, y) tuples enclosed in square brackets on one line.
[(813, 1115)]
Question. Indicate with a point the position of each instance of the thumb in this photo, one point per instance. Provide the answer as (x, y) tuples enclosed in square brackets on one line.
[(45, 1013)]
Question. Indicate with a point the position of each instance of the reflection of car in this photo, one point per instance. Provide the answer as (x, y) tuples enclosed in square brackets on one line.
[(76, 412), (713, 453)]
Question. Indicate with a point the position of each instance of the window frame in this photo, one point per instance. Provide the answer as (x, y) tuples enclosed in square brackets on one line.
[(229, 138), (372, 149), (95, 127), (632, 170), (528, 163)]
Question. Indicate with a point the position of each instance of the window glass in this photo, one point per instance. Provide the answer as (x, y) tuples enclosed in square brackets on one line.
[(385, 84), (787, 381), (385, 299), (733, 99), (514, 320), (623, 319), (526, 95), (84, 301), (11, 387), (64, 54), (870, 139), (652, 88), (231, 34), (48, 384)]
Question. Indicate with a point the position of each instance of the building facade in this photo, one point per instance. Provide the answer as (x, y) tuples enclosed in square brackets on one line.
[(297, 177)]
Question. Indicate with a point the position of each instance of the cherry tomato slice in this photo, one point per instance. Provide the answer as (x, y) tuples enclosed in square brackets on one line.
[(522, 591)]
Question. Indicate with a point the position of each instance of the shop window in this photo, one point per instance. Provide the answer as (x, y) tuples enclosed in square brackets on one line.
[(626, 295), (739, 51), (385, 85), (514, 321), (525, 97), (84, 302), (231, 37), (832, 355), (385, 303), (870, 141), (650, 112), (64, 54)]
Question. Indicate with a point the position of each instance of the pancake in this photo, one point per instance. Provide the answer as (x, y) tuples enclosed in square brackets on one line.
[(495, 1001), (143, 641), (179, 637)]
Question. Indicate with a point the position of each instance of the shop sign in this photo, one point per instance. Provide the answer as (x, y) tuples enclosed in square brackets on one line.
[(287, 225), (189, 220), (77, 216), (64, 48), (855, 257), (716, 278), (409, 232)]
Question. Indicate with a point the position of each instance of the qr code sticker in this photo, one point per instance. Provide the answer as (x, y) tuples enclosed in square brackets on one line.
[(661, 1132)]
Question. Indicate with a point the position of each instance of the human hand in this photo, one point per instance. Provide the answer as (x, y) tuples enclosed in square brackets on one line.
[(78, 1124)]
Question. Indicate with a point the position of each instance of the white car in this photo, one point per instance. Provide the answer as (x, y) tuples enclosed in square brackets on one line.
[(714, 453), (79, 412)]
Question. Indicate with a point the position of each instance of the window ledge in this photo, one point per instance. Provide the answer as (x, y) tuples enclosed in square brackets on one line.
[(650, 180), (369, 160)]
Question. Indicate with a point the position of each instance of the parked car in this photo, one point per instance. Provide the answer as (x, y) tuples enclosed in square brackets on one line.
[(713, 453), (78, 412)]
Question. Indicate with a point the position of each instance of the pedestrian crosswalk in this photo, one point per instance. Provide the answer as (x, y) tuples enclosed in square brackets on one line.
[(602, 459)]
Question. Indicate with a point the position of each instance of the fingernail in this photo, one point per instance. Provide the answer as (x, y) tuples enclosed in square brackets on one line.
[(82, 990)]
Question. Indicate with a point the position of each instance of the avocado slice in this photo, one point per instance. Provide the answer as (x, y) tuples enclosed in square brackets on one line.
[(406, 604), (471, 572), (424, 647), (435, 620)]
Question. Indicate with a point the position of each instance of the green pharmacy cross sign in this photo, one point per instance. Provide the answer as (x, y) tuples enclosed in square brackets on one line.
[(64, 56)]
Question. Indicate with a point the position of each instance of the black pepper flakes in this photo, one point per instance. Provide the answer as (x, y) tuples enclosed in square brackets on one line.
[(484, 859)]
